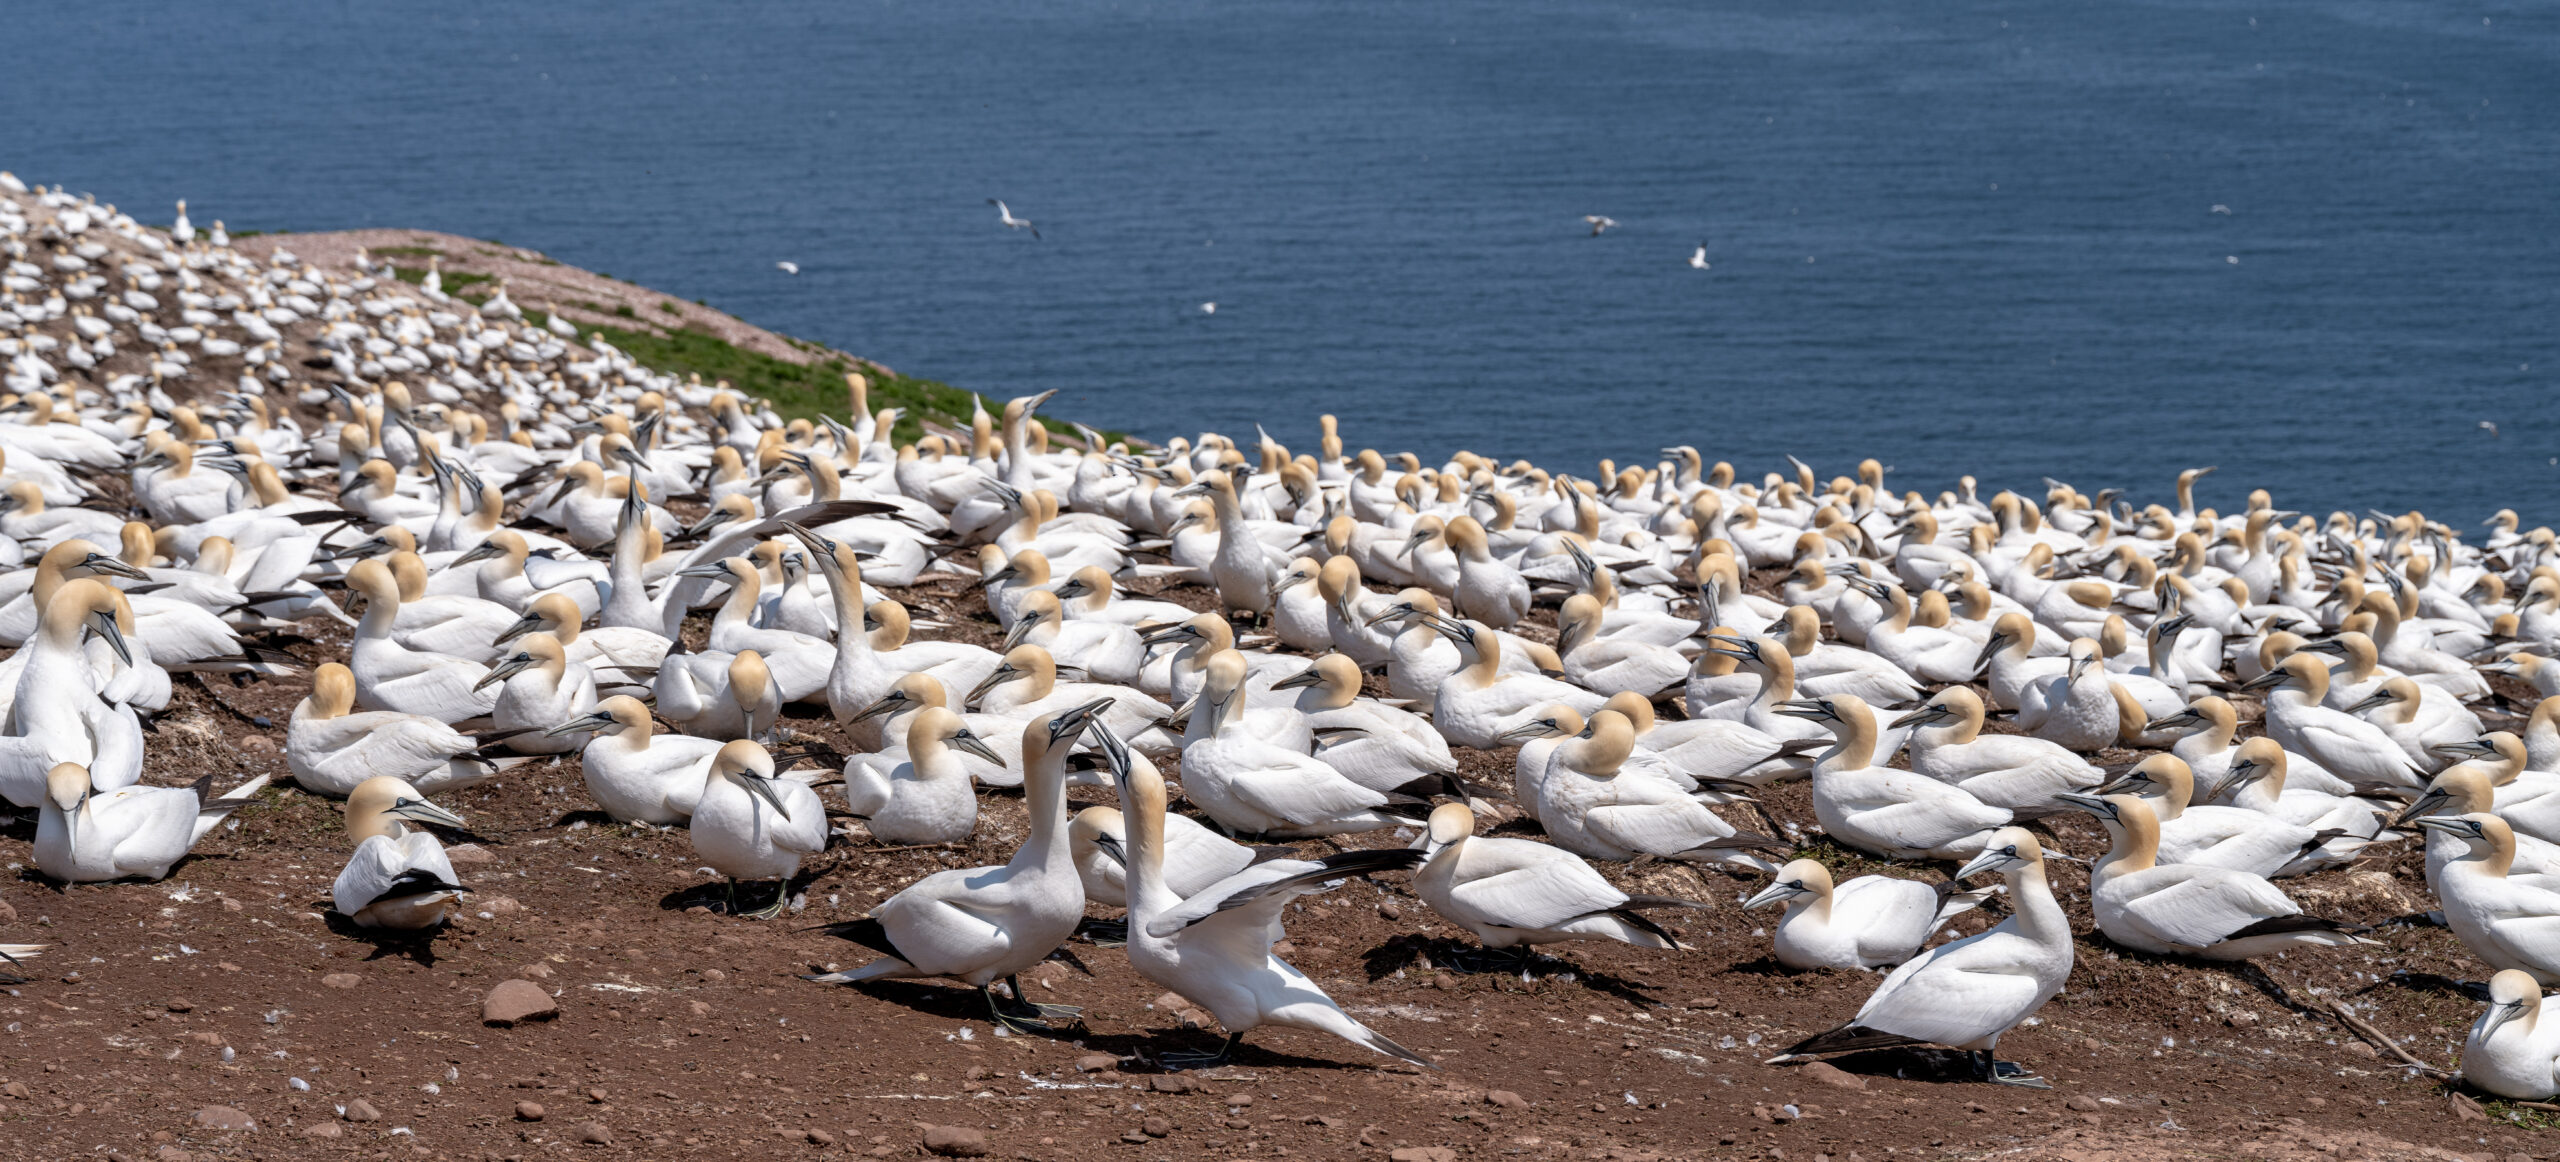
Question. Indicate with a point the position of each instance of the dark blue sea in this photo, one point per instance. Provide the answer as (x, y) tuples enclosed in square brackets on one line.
[(1956, 236)]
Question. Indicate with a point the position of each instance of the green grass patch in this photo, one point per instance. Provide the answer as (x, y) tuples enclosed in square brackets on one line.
[(408, 251), (670, 308), (453, 280)]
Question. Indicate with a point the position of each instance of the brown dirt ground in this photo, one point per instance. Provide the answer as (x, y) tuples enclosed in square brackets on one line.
[(685, 1032)]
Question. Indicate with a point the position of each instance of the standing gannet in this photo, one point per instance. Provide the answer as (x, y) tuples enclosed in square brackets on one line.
[(1882, 811), (1214, 947), (749, 823), (1965, 994), (391, 676), (985, 924), (2009, 771), (928, 798), (59, 714), (2509, 923), (87, 836), (1255, 787), (332, 748), (1596, 804), (860, 674), (1869, 922), (2513, 1049), (2346, 746), (2216, 913), (1519, 893), (635, 777), (399, 876)]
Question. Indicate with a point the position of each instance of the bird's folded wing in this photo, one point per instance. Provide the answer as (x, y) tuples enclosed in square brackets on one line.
[(1666, 828), (1538, 896), (2199, 910)]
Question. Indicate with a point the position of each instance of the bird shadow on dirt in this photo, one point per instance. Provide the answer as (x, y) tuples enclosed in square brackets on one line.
[(417, 947), (1403, 952)]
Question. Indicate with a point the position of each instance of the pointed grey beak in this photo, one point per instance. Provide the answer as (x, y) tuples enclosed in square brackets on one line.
[(970, 742), (421, 811), (1002, 675), (103, 623), (1929, 713), (505, 670), (2421, 807), (582, 722), (102, 563), (2090, 803), (762, 788), (895, 701), (524, 625), (484, 551), (1777, 893), (1301, 679)]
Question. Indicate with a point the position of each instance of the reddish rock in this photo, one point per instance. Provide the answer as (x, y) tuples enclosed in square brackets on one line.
[(361, 1110), (1096, 1062), (514, 1001), (224, 1118), (1507, 1100), (1422, 1154), (594, 1134), (1156, 1127), (1832, 1075), (342, 981), (323, 1130), (955, 1142), (529, 1111)]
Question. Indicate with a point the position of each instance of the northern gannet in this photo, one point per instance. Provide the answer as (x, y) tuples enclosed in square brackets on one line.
[(1519, 893), (2215, 913), (1867, 923), (749, 823), (2513, 1049), (87, 836), (398, 876), (332, 748)]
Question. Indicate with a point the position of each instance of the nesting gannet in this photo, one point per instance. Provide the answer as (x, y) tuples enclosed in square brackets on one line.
[(2080, 708), (880, 732), (1375, 745), (2513, 1049), (85, 835), (333, 748), (2509, 923), (391, 676), (2216, 913), (1594, 806), (2232, 837), (2462, 789), (1473, 706), (2346, 746), (749, 823), (1252, 786), (985, 924), (1893, 813), (2009, 771), (543, 689), (2259, 783), (398, 876), (1966, 993), (636, 776), (1214, 947), (1518, 893), (928, 798), (1867, 923), (58, 714)]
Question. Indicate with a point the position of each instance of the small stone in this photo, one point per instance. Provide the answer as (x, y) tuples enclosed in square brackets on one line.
[(2463, 1108), (1239, 1101), (7, 912), (2091, 1044), (173, 1154), (342, 981), (596, 1094), (977, 1072), (228, 904), (500, 905), (821, 1138), (326, 1130), (15, 1089), (535, 971), (1831, 1075), (2083, 1103), (224, 1118), (2242, 1020), (955, 1142), (700, 1008), (1506, 1099), (1096, 1062), (1156, 1127), (180, 1006), (514, 1001), (1169, 1083), (468, 853), (713, 976), (594, 1134), (1444, 982), (1387, 910), (529, 1111), (1422, 1154), (1169, 1002), (2360, 1049), (361, 1110)]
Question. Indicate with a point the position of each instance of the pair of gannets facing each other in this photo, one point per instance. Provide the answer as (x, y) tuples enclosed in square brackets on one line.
[(1215, 947), (2215, 913), (2344, 745), (2513, 1049), (1966, 993), (2465, 788), (885, 723), (2008, 771), (985, 924), (398, 877), (85, 835), (1519, 893), (58, 714), (332, 748), (1379, 746), (1882, 811), (392, 676), (2239, 838), (1867, 923), (1596, 804)]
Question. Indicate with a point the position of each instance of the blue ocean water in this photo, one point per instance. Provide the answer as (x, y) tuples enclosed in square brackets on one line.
[(1966, 236)]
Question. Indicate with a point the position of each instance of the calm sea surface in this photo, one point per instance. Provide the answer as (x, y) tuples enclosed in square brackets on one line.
[(1957, 236)]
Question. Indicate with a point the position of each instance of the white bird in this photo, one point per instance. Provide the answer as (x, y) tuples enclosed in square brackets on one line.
[(1519, 893), (391, 676), (1254, 787), (2507, 923), (59, 715), (787, 267), (1004, 215), (985, 924), (1867, 923), (399, 876), (1208, 308), (1214, 947), (635, 776), (1698, 257), (1897, 814), (2513, 1049), (2215, 913), (332, 748), (2230, 837), (87, 836), (896, 713), (751, 824), (1965, 994), (1595, 804), (2010, 771), (542, 689), (1599, 222), (928, 798), (2344, 745)]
